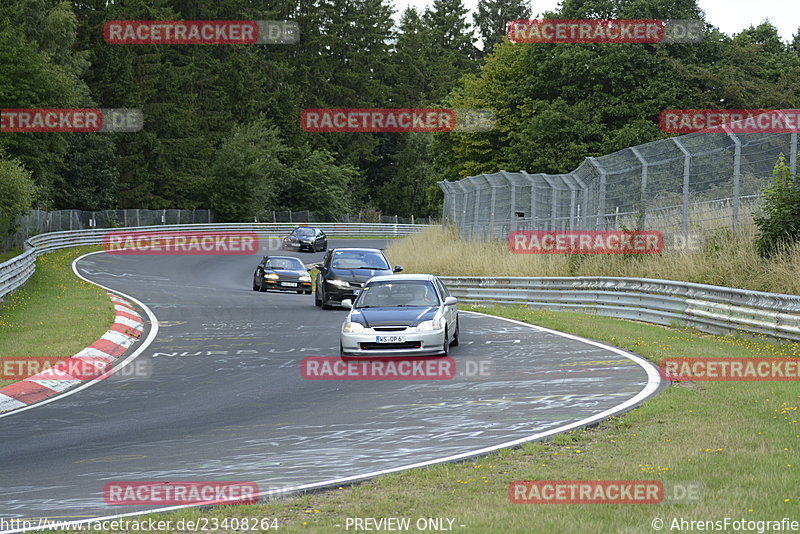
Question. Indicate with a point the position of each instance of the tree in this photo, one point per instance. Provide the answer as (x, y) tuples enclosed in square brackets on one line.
[(39, 69), (17, 191), (779, 222), (406, 191), (317, 183), (493, 16), (88, 179), (246, 172), (451, 45)]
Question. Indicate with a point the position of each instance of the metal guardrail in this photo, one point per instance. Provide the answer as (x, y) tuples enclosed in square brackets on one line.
[(16, 271), (713, 309)]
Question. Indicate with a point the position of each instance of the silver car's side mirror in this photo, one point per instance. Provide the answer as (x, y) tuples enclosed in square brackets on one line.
[(347, 303), (450, 301)]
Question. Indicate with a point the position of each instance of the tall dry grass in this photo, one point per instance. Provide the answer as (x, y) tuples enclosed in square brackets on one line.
[(725, 258)]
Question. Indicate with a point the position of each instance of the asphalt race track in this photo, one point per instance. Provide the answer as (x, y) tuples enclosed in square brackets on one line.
[(224, 399)]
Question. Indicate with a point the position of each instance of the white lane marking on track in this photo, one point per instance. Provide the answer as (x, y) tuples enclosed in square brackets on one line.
[(146, 343)]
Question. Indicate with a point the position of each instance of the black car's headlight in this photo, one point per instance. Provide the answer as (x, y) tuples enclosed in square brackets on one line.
[(338, 283)]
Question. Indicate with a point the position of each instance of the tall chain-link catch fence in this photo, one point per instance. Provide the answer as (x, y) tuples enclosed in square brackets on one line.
[(692, 183)]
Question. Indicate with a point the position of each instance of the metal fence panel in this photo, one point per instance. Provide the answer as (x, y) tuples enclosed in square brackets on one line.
[(695, 182)]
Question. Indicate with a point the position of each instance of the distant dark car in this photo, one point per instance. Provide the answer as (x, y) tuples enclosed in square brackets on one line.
[(305, 238), (283, 273), (344, 271)]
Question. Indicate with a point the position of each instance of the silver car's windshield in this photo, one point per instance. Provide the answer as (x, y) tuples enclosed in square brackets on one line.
[(397, 294)]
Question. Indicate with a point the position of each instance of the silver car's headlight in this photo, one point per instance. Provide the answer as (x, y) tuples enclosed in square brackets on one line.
[(429, 326), (305, 278), (353, 328), (338, 283)]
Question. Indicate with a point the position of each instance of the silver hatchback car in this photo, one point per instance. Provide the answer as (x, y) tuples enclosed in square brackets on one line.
[(401, 314)]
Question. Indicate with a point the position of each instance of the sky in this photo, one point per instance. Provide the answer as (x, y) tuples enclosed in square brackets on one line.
[(730, 16)]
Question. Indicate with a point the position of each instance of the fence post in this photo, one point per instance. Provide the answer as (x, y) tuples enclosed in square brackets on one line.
[(737, 175), (553, 199), (585, 190), (643, 196), (492, 207), (601, 194), (477, 211), (532, 184), (687, 165)]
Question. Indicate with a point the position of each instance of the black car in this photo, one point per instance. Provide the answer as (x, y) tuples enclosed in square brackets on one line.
[(283, 273), (344, 271), (303, 237)]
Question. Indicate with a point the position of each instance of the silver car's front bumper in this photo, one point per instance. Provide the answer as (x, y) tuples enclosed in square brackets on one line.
[(416, 343)]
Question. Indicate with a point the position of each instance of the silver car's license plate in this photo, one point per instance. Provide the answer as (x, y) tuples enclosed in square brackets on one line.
[(390, 339), (289, 284)]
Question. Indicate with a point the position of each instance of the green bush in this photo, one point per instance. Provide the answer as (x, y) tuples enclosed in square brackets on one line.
[(779, 222), (17, 191)]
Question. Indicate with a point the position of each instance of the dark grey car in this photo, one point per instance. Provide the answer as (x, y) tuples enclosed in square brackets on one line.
[(344, 271)]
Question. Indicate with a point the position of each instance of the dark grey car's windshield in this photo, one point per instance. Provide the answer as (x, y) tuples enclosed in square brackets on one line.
[(397, 294), (287, 264), (359, 260), (304, 232)]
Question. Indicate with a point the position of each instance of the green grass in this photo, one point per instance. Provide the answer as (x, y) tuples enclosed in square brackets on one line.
[(740, 440), (55, 313)]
